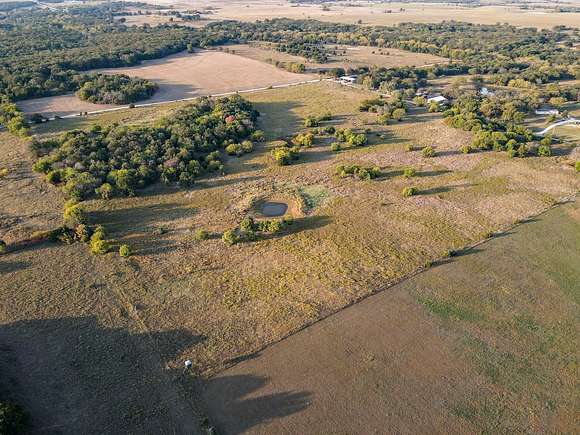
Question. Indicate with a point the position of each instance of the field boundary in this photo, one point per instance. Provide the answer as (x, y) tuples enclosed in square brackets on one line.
[(560, 202)]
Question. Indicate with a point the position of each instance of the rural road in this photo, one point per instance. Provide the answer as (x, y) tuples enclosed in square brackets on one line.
[(557, 124), (158, 103)]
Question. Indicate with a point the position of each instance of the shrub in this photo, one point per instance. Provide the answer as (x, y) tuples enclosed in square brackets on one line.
[(335, 147), (234, 149), (522, 150), (409, 172), (577, 166), (100, 247), (13, 419), (258, 136), (409, 191), (465, 149), (4, 172), (303, 140), (201, 234), (398, 114), (125, 251), (247, 146), (330, 129), (284, 155), (428, 152), (359, 172), (105, 191), (544, 151), (409, 147), (511, 153), (311, 121), (3, 247), (420, 101), (82, 233), (271, 226), (247, 225), (74, 215), (230, 237), (434, 107)]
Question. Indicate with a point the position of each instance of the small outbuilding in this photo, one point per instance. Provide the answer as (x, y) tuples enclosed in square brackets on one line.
[(348, 80), (438, 99)]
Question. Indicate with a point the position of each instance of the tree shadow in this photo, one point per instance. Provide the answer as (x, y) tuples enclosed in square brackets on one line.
[(432, 173), (456, 254), (74, 375), (12, 266), (441, 189), (234, 403)]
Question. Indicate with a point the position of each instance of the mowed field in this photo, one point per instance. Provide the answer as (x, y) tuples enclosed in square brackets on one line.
[(178, 298), (378, 14), (482, 343), (344, 57), (184, 75)]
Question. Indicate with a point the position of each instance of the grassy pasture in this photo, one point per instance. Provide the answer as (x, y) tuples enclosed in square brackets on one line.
[(350, 238), (378, 13), (345, 57)]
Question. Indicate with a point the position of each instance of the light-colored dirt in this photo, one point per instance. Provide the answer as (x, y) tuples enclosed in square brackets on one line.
[(179, 76), (377, 14)]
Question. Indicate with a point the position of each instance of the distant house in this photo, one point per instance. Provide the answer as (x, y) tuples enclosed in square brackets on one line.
[(347, 80), (438, 99), (547, 112), (486, 92)]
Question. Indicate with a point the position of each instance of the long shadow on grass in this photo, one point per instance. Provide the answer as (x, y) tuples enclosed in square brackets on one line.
[(79, 375), (301, 224), (12, 266), (144, 227), (237, 403)]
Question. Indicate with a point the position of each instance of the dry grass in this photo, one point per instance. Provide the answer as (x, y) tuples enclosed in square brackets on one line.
[(376, 14), (180, 76), (343, 57), (350, 239)]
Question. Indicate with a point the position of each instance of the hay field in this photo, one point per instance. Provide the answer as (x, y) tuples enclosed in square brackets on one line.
[(344, 57), (183, 75), (377, 14)]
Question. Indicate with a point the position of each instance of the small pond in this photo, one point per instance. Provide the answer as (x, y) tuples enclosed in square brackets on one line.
[(272, 209)]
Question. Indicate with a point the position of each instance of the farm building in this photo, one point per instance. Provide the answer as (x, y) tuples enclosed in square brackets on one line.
[(547, 112), (438, 99), (347, 80)]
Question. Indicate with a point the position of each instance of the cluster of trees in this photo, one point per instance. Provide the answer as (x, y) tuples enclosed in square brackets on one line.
[(360, 172), (394, 108), (42, 52), (119, 159), (496, 122), (13, 119), (115, 89), (250, 230), (348, 136), (508, 52)]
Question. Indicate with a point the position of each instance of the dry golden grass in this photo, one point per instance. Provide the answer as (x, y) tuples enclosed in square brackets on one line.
[(343, 57), (180, 76), (350, 238), (377, 14)]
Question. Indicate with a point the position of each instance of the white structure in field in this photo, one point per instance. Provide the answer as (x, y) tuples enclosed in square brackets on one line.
[(547, 112), (438, 99), (347, 80)]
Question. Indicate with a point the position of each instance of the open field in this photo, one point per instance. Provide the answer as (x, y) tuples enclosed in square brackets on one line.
[(498, 326), (179, 76), (345, 57), (215, 304), (377, 14)]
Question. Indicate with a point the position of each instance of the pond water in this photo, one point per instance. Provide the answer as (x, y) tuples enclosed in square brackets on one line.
[(272, 209)]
